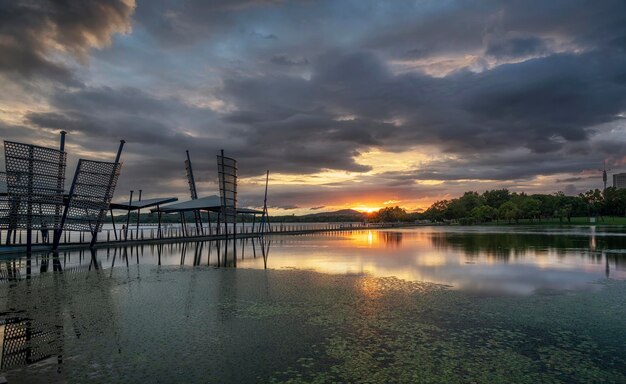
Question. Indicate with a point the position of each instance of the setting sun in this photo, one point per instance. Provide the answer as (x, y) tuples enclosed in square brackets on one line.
[(366, 209)]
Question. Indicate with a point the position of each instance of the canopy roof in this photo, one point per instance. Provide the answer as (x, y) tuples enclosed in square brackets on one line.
[(140, 204), (208, 203)]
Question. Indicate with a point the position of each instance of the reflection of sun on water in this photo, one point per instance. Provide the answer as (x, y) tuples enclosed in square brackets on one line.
[(370, 287), (362, 238)]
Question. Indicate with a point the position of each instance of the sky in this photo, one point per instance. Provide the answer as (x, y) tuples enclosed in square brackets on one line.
[(350, 104)]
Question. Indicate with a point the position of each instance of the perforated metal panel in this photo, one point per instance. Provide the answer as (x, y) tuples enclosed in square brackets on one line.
[(191, 181), (227, 172), (93, 187), (27, 342), (4, 204), (34, 177)]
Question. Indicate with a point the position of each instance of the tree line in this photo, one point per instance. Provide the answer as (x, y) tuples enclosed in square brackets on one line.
[(502, 205)]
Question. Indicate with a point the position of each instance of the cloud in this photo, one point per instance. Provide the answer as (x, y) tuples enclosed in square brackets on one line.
[(33, 34), (497, 93), (517, 47), (288, 61), (539, 104), (181, 23)]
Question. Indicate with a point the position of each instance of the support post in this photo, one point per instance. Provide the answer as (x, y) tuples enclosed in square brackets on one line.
[(113, 222), (265, 216), (159, 216), (130, 202), (138, 213)]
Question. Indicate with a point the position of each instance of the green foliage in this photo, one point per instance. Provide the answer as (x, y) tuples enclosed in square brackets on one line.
[(484, 213), (500, 204), (389, 215)]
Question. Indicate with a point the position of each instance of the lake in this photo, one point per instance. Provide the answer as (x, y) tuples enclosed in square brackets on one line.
[(423, 304)]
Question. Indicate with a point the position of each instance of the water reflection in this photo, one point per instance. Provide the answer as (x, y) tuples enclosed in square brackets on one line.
[(488, 260), (51, 301)]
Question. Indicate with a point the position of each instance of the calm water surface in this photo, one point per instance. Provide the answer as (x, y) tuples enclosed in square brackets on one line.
[(514, 260), (427, 304)]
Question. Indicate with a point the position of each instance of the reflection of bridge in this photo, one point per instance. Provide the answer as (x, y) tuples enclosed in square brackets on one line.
[(82, 262), (33, 320), (177, 233)]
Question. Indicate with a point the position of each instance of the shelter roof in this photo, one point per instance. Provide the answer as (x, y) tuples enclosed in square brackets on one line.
[(209, 203), (140, 204)]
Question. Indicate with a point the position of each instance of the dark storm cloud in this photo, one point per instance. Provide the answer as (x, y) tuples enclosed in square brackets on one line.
[(288, 61), (516, 47), (175, 22), (31, 32), (509, 90), (504, 26), (540, 104)]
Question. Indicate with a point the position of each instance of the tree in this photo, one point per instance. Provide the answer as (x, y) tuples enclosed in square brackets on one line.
[(614, 201), (389, 215), (509, 211), (484, 213), (495, 198), (471, 200), (455, 210), (594, 200), (529, 207), (436, 211)]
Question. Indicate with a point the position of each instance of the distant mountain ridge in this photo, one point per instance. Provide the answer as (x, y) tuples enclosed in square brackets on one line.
[(341, 212), (340, 215)]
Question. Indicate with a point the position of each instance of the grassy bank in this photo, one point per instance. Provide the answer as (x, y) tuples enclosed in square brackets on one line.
[(607, 220)]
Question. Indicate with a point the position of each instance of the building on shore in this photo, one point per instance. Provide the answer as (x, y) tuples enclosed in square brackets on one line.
[(619, 180)]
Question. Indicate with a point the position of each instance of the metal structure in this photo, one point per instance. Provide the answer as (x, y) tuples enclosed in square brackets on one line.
[(190, 179), (90, 195), (227, 174), (604, 175), (35, 177), (27, 342), (265, 217), (192, 189), (93, 188), (138, 206), (4, 203)]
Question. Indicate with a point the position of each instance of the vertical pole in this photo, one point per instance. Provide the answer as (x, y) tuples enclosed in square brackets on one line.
[(113, 221), (159, 216), (138, 213), (130, 202), (192, 189), (57, 237), (94, 233), (265, 215), (119, 151), (60, 183), (223, 194), (29, 210)]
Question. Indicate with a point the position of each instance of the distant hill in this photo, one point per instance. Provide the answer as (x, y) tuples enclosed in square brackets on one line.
[(341, 212), (335, 216)]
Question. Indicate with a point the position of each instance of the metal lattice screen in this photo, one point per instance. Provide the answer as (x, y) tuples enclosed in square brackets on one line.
[(227, 172), (190, 180), (92, 191), (34, 177), (27, 342), (4, 203)]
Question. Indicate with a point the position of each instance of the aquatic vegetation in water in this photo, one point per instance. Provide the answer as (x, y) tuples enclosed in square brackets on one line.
[(220, 325)]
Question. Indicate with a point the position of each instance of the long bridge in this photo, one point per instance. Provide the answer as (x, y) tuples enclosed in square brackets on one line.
[(176, 233)]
